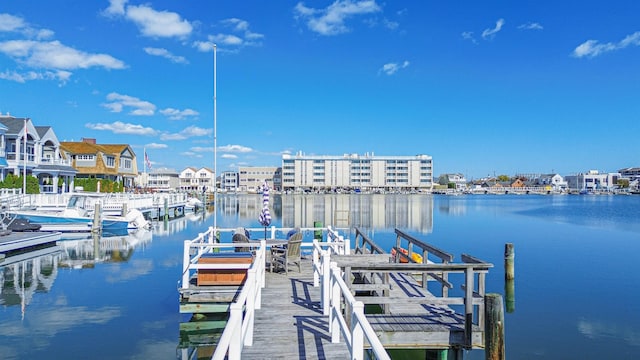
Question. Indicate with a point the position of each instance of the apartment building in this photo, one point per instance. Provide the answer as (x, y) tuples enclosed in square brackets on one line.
[(356, 172)]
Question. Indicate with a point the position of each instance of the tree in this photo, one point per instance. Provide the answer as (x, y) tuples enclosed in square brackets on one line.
[(503, 178)]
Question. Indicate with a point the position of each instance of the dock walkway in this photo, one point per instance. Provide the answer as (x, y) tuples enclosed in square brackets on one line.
[(290, 324)]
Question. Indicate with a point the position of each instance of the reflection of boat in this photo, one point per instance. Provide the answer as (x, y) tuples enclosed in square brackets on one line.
[(78, 216), (414, 256), (193, 204)]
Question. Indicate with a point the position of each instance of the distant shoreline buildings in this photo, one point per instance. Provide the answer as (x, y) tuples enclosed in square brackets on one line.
[(36, 151)]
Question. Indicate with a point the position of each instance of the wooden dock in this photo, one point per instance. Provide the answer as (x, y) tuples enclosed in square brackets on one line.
[(291, 324), (12, 242), (318, 313)]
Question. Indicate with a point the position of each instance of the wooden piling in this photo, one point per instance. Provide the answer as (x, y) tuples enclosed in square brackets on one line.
[(509, 255), (166, 208), (494, 327), (97, 216)]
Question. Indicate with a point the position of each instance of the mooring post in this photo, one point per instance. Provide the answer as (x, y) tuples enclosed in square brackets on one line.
[(509, 277), (494, 348), (97, 226), (124, 209), (509, 255), (166, 208)]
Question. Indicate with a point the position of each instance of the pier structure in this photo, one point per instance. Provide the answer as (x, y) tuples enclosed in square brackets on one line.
[(438, 306)]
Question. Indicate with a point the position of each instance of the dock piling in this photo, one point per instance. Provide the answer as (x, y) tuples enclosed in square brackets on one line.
[(509, 255), (494, 327)]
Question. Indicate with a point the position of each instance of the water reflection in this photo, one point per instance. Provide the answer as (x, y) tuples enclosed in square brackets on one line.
[(375, 211), (24, 274), (87, 251)]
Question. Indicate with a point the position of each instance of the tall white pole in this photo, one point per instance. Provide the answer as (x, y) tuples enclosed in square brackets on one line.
[(24, 160), (215, 143)]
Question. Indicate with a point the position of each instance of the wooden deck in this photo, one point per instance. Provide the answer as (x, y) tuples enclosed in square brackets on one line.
[(290, 324)]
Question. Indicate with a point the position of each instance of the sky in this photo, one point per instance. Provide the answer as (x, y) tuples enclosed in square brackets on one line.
[(484, 87)]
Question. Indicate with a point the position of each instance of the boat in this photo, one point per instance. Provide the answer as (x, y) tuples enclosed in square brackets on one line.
[(414, 256), (78, 216)]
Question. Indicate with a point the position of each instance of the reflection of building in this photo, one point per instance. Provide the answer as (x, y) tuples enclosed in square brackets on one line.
[(407, 212), (86, 252), (25, 274), (353, 171)]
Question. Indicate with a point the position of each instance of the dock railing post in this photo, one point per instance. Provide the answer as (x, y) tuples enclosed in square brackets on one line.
[(186, 262), (357, 334), (325, 280), (494, 327)]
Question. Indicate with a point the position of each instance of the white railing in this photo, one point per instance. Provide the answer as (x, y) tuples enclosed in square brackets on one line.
[(239, 329), (359, 328), (333, 290)]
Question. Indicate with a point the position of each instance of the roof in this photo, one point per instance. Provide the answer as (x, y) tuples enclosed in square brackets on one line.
[(14, 125)]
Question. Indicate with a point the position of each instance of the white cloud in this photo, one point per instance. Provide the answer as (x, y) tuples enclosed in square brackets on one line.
[(237, 35), (592, 48), (331, 20), (156, 146), (191, 131), (60, 75), (54, 55), (530, 26), (392, 68), (235, 149), (468, 35), (10, 23), (175, 114), (229, 156), (119, 127), (117, 102), (152, 23), (116, 7), (490, 33), (166, 54)]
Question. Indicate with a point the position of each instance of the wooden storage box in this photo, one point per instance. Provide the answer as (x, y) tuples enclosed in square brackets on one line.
[(223, 276)]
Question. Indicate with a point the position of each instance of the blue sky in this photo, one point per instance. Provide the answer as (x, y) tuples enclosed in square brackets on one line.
[(488, 87)]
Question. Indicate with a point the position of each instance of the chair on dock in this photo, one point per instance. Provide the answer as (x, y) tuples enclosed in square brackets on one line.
[(282, 257), (240, 236)]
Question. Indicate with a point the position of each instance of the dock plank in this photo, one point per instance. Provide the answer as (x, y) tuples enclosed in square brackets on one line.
[(290, 324)]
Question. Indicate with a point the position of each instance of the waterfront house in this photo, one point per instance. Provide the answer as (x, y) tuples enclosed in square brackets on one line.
[(593, 181), (34, 150), (229, 181), (115, 162), (160, 179), (458, 179), (199, 180)]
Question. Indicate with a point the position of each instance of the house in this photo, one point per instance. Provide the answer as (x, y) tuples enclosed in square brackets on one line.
[(457, 179), (199, 180), (34, 151), (592, 181), (115, 162), (161, 179)]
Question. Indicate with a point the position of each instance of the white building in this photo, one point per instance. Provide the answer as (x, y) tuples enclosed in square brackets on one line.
[(555, 181), (458, 179), (34, 150), (161, 179), (229, 181), (250, 179), (593, 181), (200, 180), (353, 171)]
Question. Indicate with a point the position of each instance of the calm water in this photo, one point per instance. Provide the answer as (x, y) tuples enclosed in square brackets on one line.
[(576, 289)]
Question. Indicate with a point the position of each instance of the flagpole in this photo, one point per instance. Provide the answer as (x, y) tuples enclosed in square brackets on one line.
[(215, 142), (144, 167), (24, 160)]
